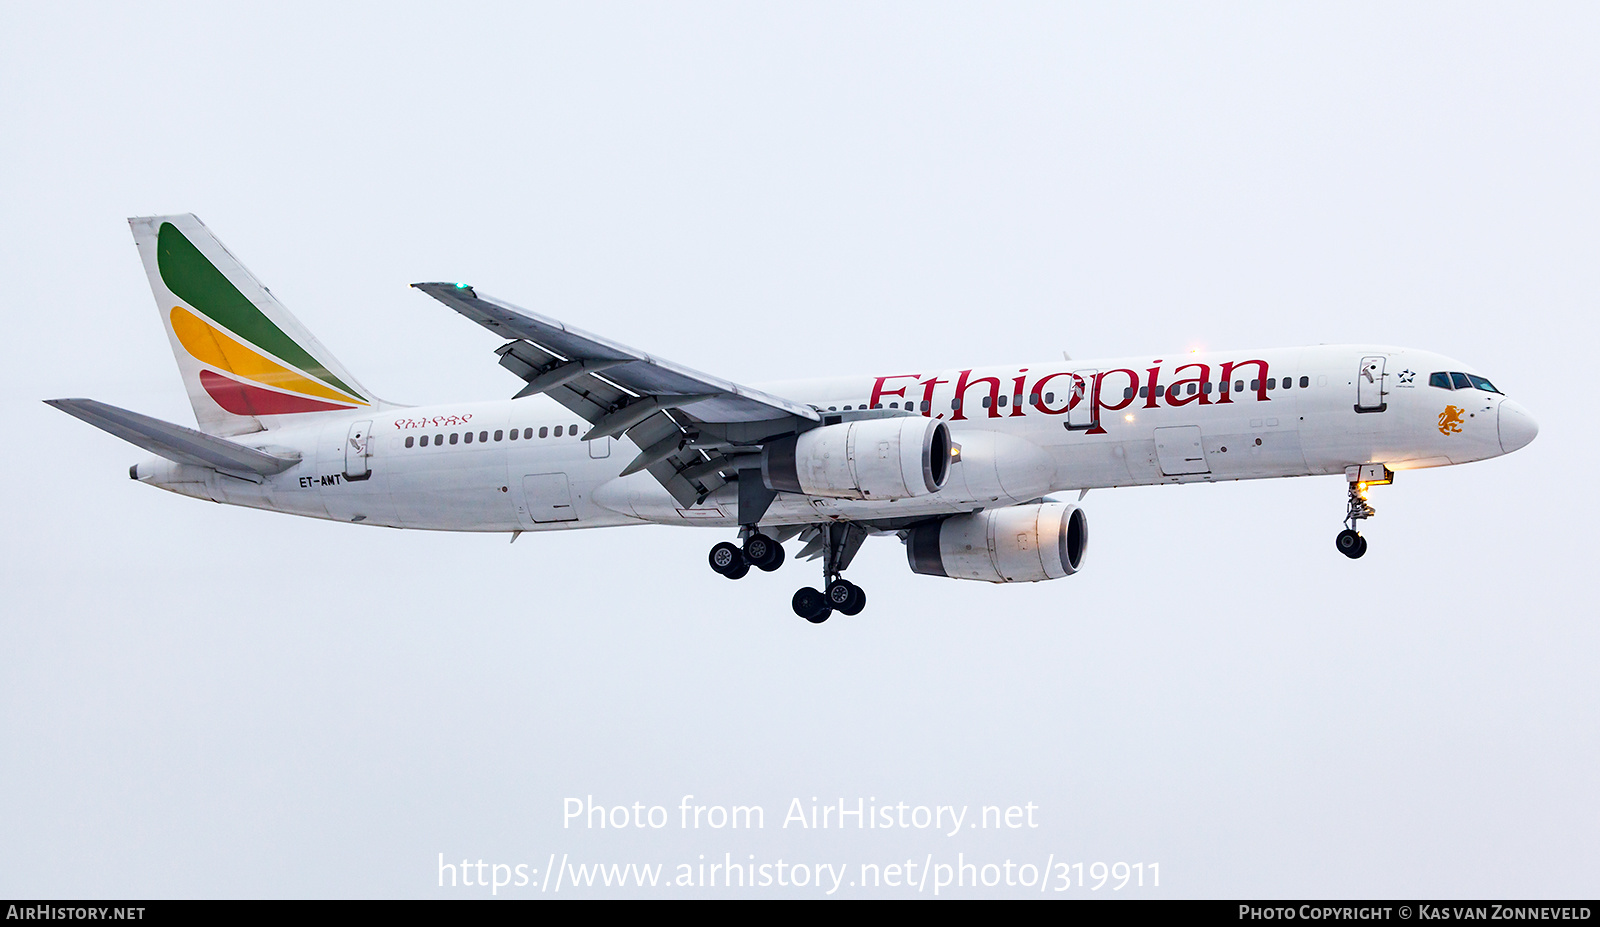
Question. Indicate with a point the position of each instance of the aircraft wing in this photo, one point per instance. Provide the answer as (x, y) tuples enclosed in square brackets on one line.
[(174, 442), (693, 427)]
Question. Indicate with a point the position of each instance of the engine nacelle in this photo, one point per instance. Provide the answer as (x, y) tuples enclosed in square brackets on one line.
[(880, 458), (1014, 544)]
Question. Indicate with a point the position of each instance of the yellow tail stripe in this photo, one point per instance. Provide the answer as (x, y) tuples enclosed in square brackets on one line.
[(210, 346)]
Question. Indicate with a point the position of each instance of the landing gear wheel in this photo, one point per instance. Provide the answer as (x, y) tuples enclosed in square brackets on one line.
[(858, 601), (728, 560), (763, 552), (1351, 544), (812, 605), (1360, 550), (846, 597)]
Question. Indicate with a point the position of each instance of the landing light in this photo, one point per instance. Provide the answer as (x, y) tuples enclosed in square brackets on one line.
[(461, 286), (1128, 417)]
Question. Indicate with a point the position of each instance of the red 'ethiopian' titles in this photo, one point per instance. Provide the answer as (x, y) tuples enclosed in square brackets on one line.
[(1071, 389)]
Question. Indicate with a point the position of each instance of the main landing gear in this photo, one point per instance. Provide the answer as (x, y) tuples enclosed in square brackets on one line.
[(835, 543), (1350, 542), (759, 551)]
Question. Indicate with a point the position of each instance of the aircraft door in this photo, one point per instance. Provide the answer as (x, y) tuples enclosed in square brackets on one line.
[(357, 448), (547, 497), (1083, 411), (599, 447), (1369, 385), (1179, 451)]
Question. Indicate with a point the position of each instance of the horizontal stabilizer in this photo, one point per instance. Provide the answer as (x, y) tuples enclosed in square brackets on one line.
[(174, 442)]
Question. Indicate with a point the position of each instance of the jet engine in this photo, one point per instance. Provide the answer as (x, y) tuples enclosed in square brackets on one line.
[(1013, 544), (882, 458)]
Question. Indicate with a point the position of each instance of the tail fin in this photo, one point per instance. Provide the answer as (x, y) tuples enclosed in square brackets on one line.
[(247, 363)]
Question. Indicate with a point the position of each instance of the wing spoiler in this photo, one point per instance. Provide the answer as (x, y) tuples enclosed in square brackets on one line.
[(174, 442)]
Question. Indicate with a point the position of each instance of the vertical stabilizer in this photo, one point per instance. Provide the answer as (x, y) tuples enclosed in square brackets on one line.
[(246, 362)]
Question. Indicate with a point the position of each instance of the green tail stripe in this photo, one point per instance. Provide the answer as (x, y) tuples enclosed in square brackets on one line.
[(197, 282)]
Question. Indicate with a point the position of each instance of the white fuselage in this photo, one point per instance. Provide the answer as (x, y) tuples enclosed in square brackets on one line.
[(1188, 429)]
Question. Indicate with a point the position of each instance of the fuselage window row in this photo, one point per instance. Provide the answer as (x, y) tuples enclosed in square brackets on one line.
[(482, 437)]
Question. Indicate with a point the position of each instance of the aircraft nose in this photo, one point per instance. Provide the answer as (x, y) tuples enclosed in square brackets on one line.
[(1517, 427)]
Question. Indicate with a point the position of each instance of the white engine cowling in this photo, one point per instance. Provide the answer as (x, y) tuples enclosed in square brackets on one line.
[(1014, 544), (881, 458)]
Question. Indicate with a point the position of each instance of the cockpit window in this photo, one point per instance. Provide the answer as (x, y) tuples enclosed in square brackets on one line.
[(1455, 380)]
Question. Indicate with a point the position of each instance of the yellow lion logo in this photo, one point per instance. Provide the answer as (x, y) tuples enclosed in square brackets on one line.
[(1450, 420)]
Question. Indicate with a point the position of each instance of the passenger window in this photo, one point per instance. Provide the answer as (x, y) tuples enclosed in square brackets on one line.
[(1255, 386), (1144, 391), (527, 434), (410, 442), (558, 431), (469, 437), (1288, 382), (500, 435), (1033, 399), (894, 405), (1206, 388), (986, 402), (926, 405), (1049, 397), (849, 408), (1002, 402), (1305, 382), (572, 430), (1193, 389), (483, 436), (438, 440), (1238, 386), (1441, 380), (1127, 393), (544, 432), (877, 405), (514, 434), (454, 437), (1272, 382), (955, 404), (1460, 380)]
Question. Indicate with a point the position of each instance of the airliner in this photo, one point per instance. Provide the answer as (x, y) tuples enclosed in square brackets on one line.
[(966, 466)]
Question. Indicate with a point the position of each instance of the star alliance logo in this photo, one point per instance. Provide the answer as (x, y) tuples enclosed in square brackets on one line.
[(1406, 376)]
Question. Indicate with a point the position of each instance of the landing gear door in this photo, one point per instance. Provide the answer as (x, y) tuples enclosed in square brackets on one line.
[(1083, 407), (1370, 386), (357, 448)]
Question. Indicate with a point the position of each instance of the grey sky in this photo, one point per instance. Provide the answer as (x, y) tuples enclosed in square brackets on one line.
[(204, 701)]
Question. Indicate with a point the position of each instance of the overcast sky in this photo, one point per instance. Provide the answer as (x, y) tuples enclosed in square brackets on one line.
[(198, 700)]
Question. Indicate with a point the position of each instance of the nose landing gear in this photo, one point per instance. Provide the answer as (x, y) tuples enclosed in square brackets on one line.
[(1350, 542)]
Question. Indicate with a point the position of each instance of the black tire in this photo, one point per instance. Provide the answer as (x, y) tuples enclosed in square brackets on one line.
[(738, 573), (1360, 551), (811, 605), (763, 552), (1351, 544), (841, 592), (726, 558), (858, 601)]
